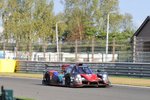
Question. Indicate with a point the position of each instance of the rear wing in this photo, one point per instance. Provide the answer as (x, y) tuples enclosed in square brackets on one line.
[(56, 67)]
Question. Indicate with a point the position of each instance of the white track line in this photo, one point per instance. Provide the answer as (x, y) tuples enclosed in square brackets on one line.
[(131, 86)]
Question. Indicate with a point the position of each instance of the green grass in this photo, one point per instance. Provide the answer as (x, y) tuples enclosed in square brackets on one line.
[(22, 75), (130, 81)]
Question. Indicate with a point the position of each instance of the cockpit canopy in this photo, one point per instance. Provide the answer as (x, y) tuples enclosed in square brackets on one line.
[(83, 69)]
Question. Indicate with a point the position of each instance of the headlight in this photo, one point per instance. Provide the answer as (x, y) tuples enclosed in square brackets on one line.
[(83, 79), (78, 78), (105, 77)]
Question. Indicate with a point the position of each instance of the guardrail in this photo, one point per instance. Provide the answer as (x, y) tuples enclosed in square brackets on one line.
[(118, 69)]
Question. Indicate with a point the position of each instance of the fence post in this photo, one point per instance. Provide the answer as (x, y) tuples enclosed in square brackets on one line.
[(16, 51), (88, 58), (92, 48), (49, 57), (44, 51), (113, 52), (102, 57), (30, 50), (134, 49), (76, 50), (4, 49), (60, 54)]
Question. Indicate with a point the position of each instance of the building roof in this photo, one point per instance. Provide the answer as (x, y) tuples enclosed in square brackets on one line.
[(142, 28)]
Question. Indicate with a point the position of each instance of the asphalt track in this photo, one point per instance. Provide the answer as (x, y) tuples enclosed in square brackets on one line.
[(32, 88)]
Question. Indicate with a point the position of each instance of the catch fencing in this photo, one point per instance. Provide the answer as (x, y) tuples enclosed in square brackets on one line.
[(80, 51), (141, 49), (117, 69), (84, 51)]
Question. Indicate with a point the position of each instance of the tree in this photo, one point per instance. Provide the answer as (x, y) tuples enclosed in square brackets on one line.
[(125, 28), (87, 18), (127, 23), (33, 21), (79, 19), (23, 21), (44, 21)]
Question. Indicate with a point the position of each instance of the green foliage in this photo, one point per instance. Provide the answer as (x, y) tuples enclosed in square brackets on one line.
[(33, 21), (21, 98), (44, 19)]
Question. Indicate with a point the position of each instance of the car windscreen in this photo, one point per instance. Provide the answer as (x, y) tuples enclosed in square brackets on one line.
[(84, 70), (68, 70)]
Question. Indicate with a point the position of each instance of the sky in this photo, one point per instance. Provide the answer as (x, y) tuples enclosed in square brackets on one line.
[(139, 9)]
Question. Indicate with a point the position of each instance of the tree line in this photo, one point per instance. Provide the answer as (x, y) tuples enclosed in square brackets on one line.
[(34, 21)]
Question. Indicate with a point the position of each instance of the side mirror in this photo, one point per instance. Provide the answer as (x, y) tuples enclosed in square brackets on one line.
[(98, 70)]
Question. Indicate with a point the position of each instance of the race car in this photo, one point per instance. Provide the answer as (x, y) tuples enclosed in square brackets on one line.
[(78, 75)]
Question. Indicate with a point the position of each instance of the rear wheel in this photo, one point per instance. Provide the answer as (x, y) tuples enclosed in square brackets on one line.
[(43, 82), (46, 79), (67, 80)]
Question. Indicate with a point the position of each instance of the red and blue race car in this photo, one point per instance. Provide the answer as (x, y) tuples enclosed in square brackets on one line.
[(79, 75)]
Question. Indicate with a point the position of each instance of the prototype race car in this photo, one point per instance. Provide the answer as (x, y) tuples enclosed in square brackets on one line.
[(75, 76)]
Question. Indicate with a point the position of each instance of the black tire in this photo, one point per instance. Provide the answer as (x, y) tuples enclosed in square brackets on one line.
[(109, 84), (47, 79), (67, 80), (43, 82)]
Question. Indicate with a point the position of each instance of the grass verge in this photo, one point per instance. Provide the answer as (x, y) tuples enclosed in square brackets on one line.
[(23, 98), (130, 81), (22, 75)]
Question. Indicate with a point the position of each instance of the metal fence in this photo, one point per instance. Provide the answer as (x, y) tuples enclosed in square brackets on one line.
[(117, 69), (89, 51), (141, 49)]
